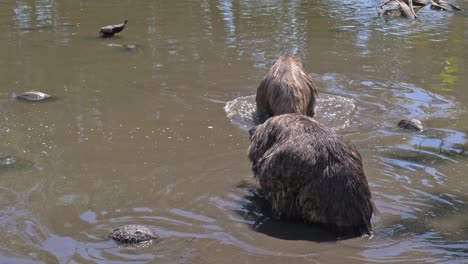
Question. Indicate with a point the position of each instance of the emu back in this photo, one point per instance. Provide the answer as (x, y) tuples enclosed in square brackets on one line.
[(309, 172)]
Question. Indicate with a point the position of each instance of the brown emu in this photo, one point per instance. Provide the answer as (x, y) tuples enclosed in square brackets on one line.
[(309, 172), (286, 88)]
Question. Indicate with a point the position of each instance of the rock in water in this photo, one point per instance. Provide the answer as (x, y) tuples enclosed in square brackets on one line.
[(33, 96), (111, 30), (133, 235), (411, 124)]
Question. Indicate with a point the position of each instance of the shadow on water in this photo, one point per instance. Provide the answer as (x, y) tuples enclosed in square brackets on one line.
[(42, 101), (116, 42)]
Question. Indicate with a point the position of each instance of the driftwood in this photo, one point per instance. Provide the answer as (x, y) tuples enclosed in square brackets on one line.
[(444, 5), (408, 8), (398, 8)]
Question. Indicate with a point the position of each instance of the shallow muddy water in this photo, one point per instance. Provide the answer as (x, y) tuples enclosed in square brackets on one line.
[(138, 134)]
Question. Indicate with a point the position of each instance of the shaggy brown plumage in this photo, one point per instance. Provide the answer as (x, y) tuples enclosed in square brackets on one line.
[(309, 172), (286, 88)]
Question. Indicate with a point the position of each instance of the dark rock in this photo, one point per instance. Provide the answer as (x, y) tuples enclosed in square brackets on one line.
[(132, 235), (411, 124)]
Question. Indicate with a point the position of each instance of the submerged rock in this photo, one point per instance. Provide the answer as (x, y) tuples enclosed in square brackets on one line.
[(33, 96), (410, 124), (133, 235)]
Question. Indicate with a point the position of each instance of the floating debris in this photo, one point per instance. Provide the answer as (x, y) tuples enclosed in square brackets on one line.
[(33, 96), (133, 235), (111, 30), (410, 124)]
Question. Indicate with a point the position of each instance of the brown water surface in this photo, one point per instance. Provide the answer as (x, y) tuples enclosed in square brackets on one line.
[(139, 135)]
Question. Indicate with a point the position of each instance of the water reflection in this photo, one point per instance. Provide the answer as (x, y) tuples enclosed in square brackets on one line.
[(40, 16), (141, 137), (22, 14), (226, 8), (44, 12)]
